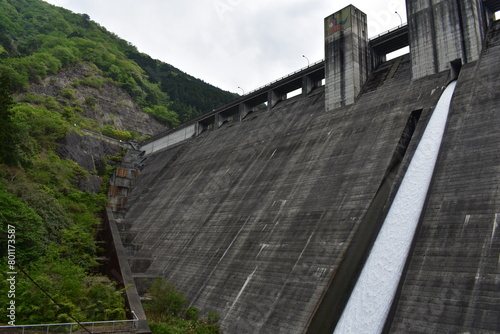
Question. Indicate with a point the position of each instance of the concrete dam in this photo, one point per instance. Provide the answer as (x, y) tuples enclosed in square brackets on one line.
[(265, 210)]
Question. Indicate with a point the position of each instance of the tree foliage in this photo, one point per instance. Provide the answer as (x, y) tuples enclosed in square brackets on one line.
[(164, 115), (31, 241), (39, 192), (53, 220), (168, 313), (76, 295), (8, 131), (38, 39)]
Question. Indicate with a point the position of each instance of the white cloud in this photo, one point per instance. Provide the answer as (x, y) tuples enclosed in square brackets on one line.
[(230, 43)]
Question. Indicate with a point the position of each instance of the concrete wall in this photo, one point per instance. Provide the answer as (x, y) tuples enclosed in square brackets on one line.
[(119, 270), (253, 220), (347, 56), (452, 283), (170, 139), (267, 221), (442, 31)]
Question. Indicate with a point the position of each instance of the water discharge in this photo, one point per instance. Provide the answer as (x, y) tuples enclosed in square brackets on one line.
[(371, 299)]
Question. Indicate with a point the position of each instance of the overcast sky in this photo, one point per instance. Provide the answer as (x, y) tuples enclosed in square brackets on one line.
[(231, 43)]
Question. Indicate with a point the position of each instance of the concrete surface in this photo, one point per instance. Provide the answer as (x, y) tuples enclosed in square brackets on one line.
[(453, 280), (268, 221), (253, 220)]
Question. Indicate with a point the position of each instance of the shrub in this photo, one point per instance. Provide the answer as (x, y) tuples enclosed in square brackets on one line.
[(68, 94), (167, 313), (161, 328), (29, 230), (43, 125), (43, 202), (163, 115), (212, 317), (166, 301), (88, 123), (109, 131), (64, 54), (8, 128), (90, 101), (192, 313), (92, 81), (32, 98), (68, 113), (50, 103)]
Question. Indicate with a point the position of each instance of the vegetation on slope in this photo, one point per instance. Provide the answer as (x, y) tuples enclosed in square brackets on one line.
[(41, 199), (167, 312), (52, 219), (38, 39)]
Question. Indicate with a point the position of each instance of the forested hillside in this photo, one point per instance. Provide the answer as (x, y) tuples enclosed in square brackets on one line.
[(38, 39), (66, 86)]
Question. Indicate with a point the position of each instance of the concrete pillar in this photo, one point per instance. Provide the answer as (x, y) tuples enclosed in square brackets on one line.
[(219, 120), (347, 56), (273, 97), (205, 125), (308, 84), (441, 31), (244, 110), (198, 128)]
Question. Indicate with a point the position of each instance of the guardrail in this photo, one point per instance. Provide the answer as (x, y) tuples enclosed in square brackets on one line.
[(94, 327), (389, 31), (246, 95), (284, 77), (231, 103)]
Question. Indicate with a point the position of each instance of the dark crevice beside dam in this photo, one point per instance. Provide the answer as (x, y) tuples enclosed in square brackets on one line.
[(266, 215)]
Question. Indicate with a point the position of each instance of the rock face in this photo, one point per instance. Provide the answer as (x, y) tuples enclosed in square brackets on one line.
[(102, 101), (91, 153), (268, 221)]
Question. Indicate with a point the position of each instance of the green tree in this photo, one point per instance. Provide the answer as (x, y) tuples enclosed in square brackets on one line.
[(8, 131), (103, 301), (163, 115), (167, 313), (3, 52), (62, 280), (44, 126), (54, 216), (166, 300), (28, 230)]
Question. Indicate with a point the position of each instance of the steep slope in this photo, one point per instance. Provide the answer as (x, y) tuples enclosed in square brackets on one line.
[(38, 39), (70, 99), (93, 101), (78, 71)]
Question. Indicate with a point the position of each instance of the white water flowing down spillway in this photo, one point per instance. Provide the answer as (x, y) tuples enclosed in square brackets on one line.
[(371, 299)]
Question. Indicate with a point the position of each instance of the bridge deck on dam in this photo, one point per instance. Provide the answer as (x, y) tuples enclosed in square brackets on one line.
[(257, 219), (307, 79)]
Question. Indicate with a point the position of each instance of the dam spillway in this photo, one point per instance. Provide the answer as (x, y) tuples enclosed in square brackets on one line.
[(371, 299), (268, 220)]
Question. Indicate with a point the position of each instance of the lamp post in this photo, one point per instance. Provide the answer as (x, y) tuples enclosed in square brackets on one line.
[(399, 18), (242, 90), (307, 60)]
